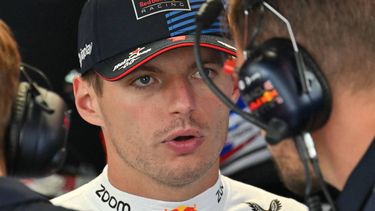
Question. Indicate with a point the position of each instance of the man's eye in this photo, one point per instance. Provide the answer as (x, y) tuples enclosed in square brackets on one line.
[(143, 81), (211, 73)]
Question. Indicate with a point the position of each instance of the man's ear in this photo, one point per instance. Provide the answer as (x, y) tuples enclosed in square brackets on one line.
[(86, 101)]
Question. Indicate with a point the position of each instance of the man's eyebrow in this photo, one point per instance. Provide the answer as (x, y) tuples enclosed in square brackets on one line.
[(146, 68), (210, 60)]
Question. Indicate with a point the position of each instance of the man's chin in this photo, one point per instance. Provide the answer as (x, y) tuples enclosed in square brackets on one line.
[(186, 173), (180, 178)]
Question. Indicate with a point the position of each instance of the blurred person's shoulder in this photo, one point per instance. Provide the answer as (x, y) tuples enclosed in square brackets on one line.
[(80, 198), (16, 196)]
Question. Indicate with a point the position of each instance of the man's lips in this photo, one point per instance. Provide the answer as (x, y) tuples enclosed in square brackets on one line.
[(184, 142), (183, 135)]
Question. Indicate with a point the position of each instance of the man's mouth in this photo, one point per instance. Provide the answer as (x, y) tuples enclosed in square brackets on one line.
[(183, 138), (184, 142)]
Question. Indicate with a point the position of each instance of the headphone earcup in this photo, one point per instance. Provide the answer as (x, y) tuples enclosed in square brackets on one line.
[(324, 95), (19, 110), (37, 136), (271, 85)]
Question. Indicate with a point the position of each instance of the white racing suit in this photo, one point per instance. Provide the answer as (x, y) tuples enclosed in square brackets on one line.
[(225, 195)]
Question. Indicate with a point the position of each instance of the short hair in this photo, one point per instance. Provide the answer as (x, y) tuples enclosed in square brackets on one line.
[(9, 77), (94, 80), (339, 34)]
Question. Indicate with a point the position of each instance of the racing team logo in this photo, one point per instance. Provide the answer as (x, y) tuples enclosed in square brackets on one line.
[(183, 208), (83, 52), (275, 205), (133, 56), (144, 8)]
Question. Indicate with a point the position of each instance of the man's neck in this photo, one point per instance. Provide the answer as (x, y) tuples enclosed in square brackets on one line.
[(343, 141), (136, 183)]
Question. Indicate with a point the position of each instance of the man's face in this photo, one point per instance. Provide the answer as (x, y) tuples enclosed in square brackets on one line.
[(162, 121)]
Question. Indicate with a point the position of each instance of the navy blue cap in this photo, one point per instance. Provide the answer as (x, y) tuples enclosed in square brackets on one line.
[(117, 36)]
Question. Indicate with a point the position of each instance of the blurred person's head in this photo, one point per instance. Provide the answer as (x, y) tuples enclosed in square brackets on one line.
[(9, 80), (339, 34)]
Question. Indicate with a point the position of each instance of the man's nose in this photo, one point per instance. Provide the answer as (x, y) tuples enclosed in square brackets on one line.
[(182, 97)]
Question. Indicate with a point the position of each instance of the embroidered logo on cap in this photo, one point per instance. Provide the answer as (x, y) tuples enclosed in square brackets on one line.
[(144, 8), (83, 52), (133, 56)]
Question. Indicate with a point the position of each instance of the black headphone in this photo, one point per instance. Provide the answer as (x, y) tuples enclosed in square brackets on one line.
[(280, 82), (271, 86), (37, 131)]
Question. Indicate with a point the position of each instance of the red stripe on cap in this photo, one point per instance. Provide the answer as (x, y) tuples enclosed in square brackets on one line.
[(157, 53)]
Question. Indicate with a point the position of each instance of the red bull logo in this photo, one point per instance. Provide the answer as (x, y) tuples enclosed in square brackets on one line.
[(270, 94), (183, 208)]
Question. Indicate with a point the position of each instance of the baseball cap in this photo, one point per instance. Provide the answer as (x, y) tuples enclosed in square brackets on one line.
[(117, 36)]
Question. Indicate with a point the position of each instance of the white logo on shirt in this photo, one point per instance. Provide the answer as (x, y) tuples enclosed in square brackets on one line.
[(110, 200), (219, 193)]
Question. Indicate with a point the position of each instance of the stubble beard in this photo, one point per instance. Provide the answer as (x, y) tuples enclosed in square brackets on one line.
[(291, 171), (161, 173)]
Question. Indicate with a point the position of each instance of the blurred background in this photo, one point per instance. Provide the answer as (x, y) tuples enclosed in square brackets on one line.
[(46, 31)]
